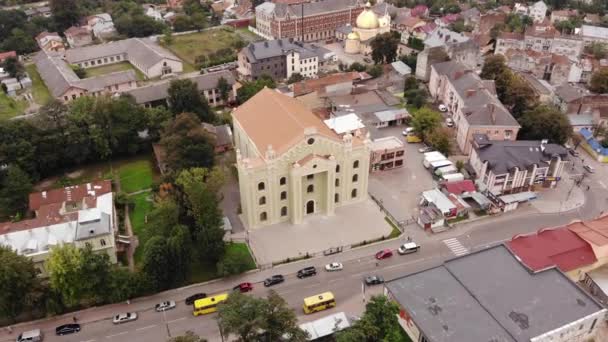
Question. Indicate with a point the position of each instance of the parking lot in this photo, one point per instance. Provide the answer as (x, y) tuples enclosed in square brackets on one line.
[(399, 189)]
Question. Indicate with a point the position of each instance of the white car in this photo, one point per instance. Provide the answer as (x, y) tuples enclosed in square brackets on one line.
[(407, 131), (449, 122), (443, 108), (334, 266), (124, 317), (408, 247), (164, 306)]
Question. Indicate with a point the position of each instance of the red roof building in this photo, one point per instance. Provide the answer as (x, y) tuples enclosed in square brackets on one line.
[(552, 247), (457, 188), (6, 55)]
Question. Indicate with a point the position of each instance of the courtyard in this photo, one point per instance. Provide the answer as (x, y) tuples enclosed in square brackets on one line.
[(106, 69)]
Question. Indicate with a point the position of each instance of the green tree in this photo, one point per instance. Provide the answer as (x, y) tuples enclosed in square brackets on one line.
[(545, 122), (156, 263), (180, 249), (235, 261), (519, 96), (384, 47), (599, 81), (199, 21), (378, 323), (15, 190), (13, 67), (280, 320), (186, 143), (189, 336), (168, 36), (79, 71), (411, 60), (375, 71), (185, 97), (295, 77), (17, 282), (411, 83), (425, 121), (249, 89), (138, 25), (415, 43), (224, 89), (65, 13), (64, 267), (440, 140), (599, 50), (493, 67), (416, 97), (20, 41), (356, 66)]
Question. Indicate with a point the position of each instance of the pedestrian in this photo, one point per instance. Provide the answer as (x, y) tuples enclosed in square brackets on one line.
[(10, 329), (74, 319), (128, 302), (409, 239), (588, 187), (377, 264)]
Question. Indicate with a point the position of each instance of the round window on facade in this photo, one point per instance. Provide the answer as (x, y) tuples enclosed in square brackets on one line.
[(311, 141)]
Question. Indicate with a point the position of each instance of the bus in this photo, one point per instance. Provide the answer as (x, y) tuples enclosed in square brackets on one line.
[(319, 302), (208, 305)]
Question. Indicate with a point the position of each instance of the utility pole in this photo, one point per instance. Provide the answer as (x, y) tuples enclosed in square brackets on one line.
[(166, 324)]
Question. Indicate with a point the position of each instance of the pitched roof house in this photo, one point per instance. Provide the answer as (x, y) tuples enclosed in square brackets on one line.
[(50, 41), (78, 36)]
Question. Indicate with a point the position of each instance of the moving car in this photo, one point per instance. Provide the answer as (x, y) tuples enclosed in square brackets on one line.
[(124, 317), (307, 272), (409, 247), (443, 108), (383, 254), (164, 306), (449, 122), (243, 287), (589, 168), (67, 329), (425, 148), (334, 266), (190, 300), (275, 279), (374, 280)]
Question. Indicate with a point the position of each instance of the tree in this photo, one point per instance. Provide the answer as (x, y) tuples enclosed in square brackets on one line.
[(186, 143), (156, 263), (519, 95), (384, 47), (20, 41), (65, 13), (411, 83), (416, 97), (415, 43), (411, 60), (599, 50), (17, 282), (425, 121), (375, 71), (188, 337), (545, 122), (64, 268), (13, 67), (280, 320), (295, 77), (79, 71), (599, 81), (168, 36), (493, 67), (185, 97), (356, 66), (378, 323), (138, 25), (16, 187), (235, 261), (224, 89), (249, 89), (440, 140)]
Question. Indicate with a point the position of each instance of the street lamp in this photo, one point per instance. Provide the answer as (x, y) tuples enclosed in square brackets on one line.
[(166, 324)]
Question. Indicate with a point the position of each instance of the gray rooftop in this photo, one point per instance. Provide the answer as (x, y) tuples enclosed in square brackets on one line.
[(99, 226), (314, 8), (159, 90), (444, 37), (504, 155), (595, 32), (488, 296), (279, 47), (569, 93)]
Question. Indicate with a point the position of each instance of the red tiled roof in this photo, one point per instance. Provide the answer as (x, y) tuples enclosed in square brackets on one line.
[(73, 193), (552, 247), (8, 54), (308, 86), (595, 232), (460, 187)]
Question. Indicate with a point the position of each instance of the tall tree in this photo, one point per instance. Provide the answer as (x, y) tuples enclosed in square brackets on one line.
[(519, 96), (65, 276), (224, 88), (157, 263), (187, 144), (440, 140), (425, 121), (384, 47), (17, 282), (378, 323), (184, 97), (545, 122), (599, 81), (280, 320), (65, 13), (13, 67), (15, 190), (249, 89)]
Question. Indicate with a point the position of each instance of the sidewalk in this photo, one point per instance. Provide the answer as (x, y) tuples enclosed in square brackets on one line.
[(566, 196)]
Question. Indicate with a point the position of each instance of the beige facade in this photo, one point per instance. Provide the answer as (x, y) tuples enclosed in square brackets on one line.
[(291, 164)]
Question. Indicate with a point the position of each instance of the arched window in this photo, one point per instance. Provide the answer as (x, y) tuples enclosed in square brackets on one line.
[(263, 216), (336, 198), (338, 168), (310, 188), (353, 193), (355, 178), (283, 181), (284, 211), (337, 182), (262, 200), (356, 164), (261, 186), (283, 195)]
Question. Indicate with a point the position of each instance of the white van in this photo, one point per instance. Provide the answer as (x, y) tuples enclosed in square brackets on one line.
[(432, 156), (454, 177), (30, 336), (408, 247), (446, 170), (440, 163)]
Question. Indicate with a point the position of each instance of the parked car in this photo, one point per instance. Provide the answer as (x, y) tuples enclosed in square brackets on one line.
[(589, 168), (374, 280), (409, 247), (573, 152), (243, 287), (408, 131), (67, 329), (334, 266), (164, 306), (443, 108), (383, 254), (449, 122), (190, 300), (275, 279), (124, 317), (307, 272), (30, 336), (425, 148)]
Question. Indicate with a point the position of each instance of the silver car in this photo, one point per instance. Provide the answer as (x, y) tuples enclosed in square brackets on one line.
[(124, 317), (164, 306)]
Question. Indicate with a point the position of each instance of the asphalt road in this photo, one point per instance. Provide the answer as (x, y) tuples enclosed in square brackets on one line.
[(346, 285)]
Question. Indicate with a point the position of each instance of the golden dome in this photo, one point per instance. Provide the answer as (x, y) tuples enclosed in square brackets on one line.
[(353, 36), (367, 19)]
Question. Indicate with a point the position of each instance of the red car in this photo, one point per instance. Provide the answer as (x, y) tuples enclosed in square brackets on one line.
[(383, 254), (243, 287)]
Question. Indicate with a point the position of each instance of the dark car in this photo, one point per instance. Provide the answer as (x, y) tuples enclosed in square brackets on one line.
[(374, 280), (573, 152), (275, 279), (190, 300), (67, 329), (243, 287), (307, 272), (383, 254)]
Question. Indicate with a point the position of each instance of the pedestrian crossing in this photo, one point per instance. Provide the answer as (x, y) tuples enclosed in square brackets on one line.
[(455, 246)]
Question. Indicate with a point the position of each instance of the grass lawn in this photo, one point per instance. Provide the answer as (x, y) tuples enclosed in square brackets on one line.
[(136, 175), (204, 271), (189, 46), (39, 90), (10, 107), (106, 69), (395, 232), (137, 215)]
